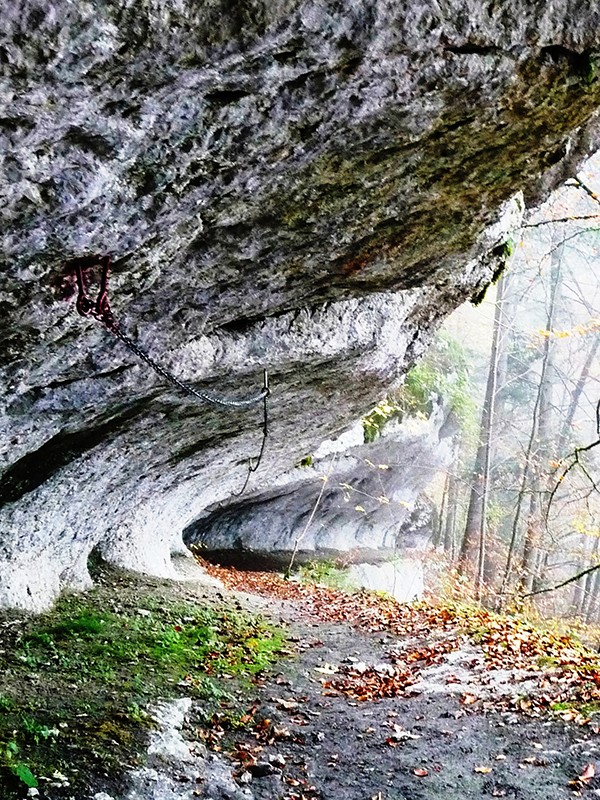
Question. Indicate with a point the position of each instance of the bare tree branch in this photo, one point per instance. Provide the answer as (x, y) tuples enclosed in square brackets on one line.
[(564, 583), (574, 456), (572, 218), (587, 189), (574, 461)]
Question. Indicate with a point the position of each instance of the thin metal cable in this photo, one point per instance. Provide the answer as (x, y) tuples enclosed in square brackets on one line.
[(253, 465)]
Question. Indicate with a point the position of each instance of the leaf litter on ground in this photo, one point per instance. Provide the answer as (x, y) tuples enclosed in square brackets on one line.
[(566, 674), (495, 662)]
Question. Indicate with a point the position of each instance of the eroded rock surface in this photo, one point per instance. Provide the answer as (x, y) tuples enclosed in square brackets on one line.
[(287, 184), (365, 511)]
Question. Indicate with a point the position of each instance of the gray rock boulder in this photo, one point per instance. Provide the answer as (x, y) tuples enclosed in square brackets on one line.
[(357, 503), (292, 185)]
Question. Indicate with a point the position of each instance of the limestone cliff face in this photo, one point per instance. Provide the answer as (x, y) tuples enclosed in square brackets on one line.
[(302, 185), (366, 510)]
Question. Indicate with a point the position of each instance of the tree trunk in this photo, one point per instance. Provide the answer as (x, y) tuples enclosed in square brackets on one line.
[(529, 561), (438, 536), (591, 614), (540, 409), (450, 526), (576, 395), (474, 540), (540, 476)]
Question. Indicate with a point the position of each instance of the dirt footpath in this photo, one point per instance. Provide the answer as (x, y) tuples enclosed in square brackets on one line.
[(441, 736), (423, 746)]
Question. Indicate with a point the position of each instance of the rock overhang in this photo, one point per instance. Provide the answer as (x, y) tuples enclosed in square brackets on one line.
[(286, 185)]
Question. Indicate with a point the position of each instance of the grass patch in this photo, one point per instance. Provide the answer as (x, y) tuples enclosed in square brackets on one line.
[(75, 683), (546, 662), (325, 573), (576, 710)]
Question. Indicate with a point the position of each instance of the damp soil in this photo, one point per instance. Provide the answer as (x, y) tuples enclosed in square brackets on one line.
[(306, 742), (335, 748)]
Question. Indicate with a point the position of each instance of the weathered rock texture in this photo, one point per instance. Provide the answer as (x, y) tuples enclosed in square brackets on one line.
[(367, 509), (264, 175), (173, 763)]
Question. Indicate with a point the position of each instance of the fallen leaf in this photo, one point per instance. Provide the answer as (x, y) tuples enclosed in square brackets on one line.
[(327, 669), (482, 770), (400, 734), (536, 761), (569, 715), (286, 705), (468, 699)]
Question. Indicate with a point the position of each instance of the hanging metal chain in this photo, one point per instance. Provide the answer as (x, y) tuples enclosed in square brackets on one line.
[(216, 400), (253, 467), (101, 311)]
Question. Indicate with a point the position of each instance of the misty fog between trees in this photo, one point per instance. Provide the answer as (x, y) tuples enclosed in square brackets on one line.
[(518, 512)]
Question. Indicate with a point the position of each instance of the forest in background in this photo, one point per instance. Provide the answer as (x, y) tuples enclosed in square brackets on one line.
[(519, 509)]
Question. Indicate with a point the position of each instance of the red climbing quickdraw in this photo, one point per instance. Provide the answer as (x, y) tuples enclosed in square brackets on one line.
[(84, 269)]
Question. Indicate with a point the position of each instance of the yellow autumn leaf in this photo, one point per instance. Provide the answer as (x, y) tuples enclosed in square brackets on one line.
[(360, 508)]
